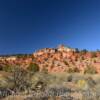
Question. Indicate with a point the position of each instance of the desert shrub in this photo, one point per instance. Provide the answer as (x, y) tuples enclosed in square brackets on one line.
[(45, 70), (66, 63), (90, 70), (22, 55), (70, 70), (92, 83), (77, 50), (69, 78), (40, 76), (94, 54), (73, 70), (84, 51), (33, 67), (82, 84), (57, 90), (76, 69), (21, 79), (3, 82), (1, 68), (7, 68), (40, 85)]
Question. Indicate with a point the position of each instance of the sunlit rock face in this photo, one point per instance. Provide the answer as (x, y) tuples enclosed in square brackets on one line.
[(65, 48)]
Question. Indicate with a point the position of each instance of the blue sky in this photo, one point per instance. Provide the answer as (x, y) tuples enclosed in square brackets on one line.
[(29, 25)]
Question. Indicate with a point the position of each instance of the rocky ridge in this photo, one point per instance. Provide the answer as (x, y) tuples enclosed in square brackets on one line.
[(60, 59), (65, 59)]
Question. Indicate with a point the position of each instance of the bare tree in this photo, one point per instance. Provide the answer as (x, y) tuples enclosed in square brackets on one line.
[(21, 78)]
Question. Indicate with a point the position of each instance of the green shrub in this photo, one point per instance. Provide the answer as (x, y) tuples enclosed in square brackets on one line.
[(73, 70), (7, 68), (33, 67), (84, 51), (70, 70), (90, 70)]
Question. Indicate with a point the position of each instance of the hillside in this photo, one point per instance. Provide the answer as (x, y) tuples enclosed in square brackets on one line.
[(60, 59), (65, 59)]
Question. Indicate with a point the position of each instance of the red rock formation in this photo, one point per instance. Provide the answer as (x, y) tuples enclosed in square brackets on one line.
[(57, 59)]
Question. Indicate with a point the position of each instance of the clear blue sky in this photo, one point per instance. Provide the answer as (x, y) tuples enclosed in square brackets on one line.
[(28, 25)]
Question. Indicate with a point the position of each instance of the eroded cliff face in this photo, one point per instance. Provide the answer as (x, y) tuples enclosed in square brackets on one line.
[(60, 59)]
